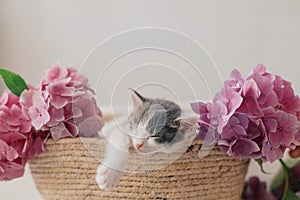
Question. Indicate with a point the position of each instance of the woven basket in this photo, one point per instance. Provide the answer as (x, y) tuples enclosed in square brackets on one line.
[(66, 170)]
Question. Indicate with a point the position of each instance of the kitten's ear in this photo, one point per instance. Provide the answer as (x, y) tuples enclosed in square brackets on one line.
[(137, 99), (187, 120)]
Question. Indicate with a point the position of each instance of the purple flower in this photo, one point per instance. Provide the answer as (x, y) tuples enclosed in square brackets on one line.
[(229, 100), (241, 132), (216, 115), (270, 153), (250, 105), (207, 132), (253, 117), (286, 129), (236, 82), (254, 189), (288, 101)]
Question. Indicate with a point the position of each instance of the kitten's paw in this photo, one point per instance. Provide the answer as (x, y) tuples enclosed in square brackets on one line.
[(107, 178)]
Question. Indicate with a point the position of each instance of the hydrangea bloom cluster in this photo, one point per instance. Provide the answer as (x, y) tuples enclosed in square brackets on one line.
[(253, 117), (18, 140), (62, 106)]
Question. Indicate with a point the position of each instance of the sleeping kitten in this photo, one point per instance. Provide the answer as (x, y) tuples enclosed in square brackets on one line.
[(155, 125)]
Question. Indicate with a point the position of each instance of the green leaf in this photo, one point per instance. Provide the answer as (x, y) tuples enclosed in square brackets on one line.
[(14, 82), (286, 180), (291, 162), (260, 163), (290, 195), (279, 177), (278, 180)]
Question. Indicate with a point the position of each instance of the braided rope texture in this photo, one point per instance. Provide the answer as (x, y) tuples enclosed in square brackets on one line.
[(67, 170)]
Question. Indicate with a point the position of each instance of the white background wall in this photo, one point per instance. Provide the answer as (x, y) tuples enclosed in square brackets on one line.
[(237, 34)]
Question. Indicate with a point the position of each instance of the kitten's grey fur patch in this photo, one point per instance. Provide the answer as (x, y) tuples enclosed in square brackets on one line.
[(155, 125), (166, 113)]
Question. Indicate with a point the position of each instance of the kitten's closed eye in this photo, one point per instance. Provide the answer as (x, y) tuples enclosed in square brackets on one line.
[(157, 139), (154, 125), (158, 123)]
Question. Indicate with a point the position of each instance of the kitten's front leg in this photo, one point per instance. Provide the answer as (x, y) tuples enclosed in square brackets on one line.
[(117, 155), (107, 178)]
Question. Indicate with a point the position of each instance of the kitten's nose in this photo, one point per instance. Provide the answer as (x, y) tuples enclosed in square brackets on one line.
[(138, 146)]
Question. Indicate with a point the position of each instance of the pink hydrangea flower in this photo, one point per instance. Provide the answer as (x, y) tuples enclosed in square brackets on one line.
[(287, 100), (228, 100), (242, 137), (63, 104), (35, 107), (250, 104), (57, 73), (63, 130), (207, 132), (71, 104), (215, 115), (18, 141), (236, 81), (253, 117)]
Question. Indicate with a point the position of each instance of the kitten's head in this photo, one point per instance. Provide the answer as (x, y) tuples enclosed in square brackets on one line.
[(158, 123)]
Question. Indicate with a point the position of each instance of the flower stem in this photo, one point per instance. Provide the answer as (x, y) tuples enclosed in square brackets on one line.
[(286, 176), (284, 165)]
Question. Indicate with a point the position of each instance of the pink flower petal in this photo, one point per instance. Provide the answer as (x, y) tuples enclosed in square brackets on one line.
[(270, 124), (271, 154), (59, 102), (90, 126), (11, 154), (239, 150), (10, 170)]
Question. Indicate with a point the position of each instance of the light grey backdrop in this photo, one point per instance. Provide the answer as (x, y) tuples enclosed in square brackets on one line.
[(237, 34)]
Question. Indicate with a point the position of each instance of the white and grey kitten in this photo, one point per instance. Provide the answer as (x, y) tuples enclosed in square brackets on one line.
[(154, 125)]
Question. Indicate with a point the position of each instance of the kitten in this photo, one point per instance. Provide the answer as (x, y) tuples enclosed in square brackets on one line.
[(154, 125)]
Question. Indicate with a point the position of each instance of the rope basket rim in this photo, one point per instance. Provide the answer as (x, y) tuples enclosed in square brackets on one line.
[(64, 173)]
